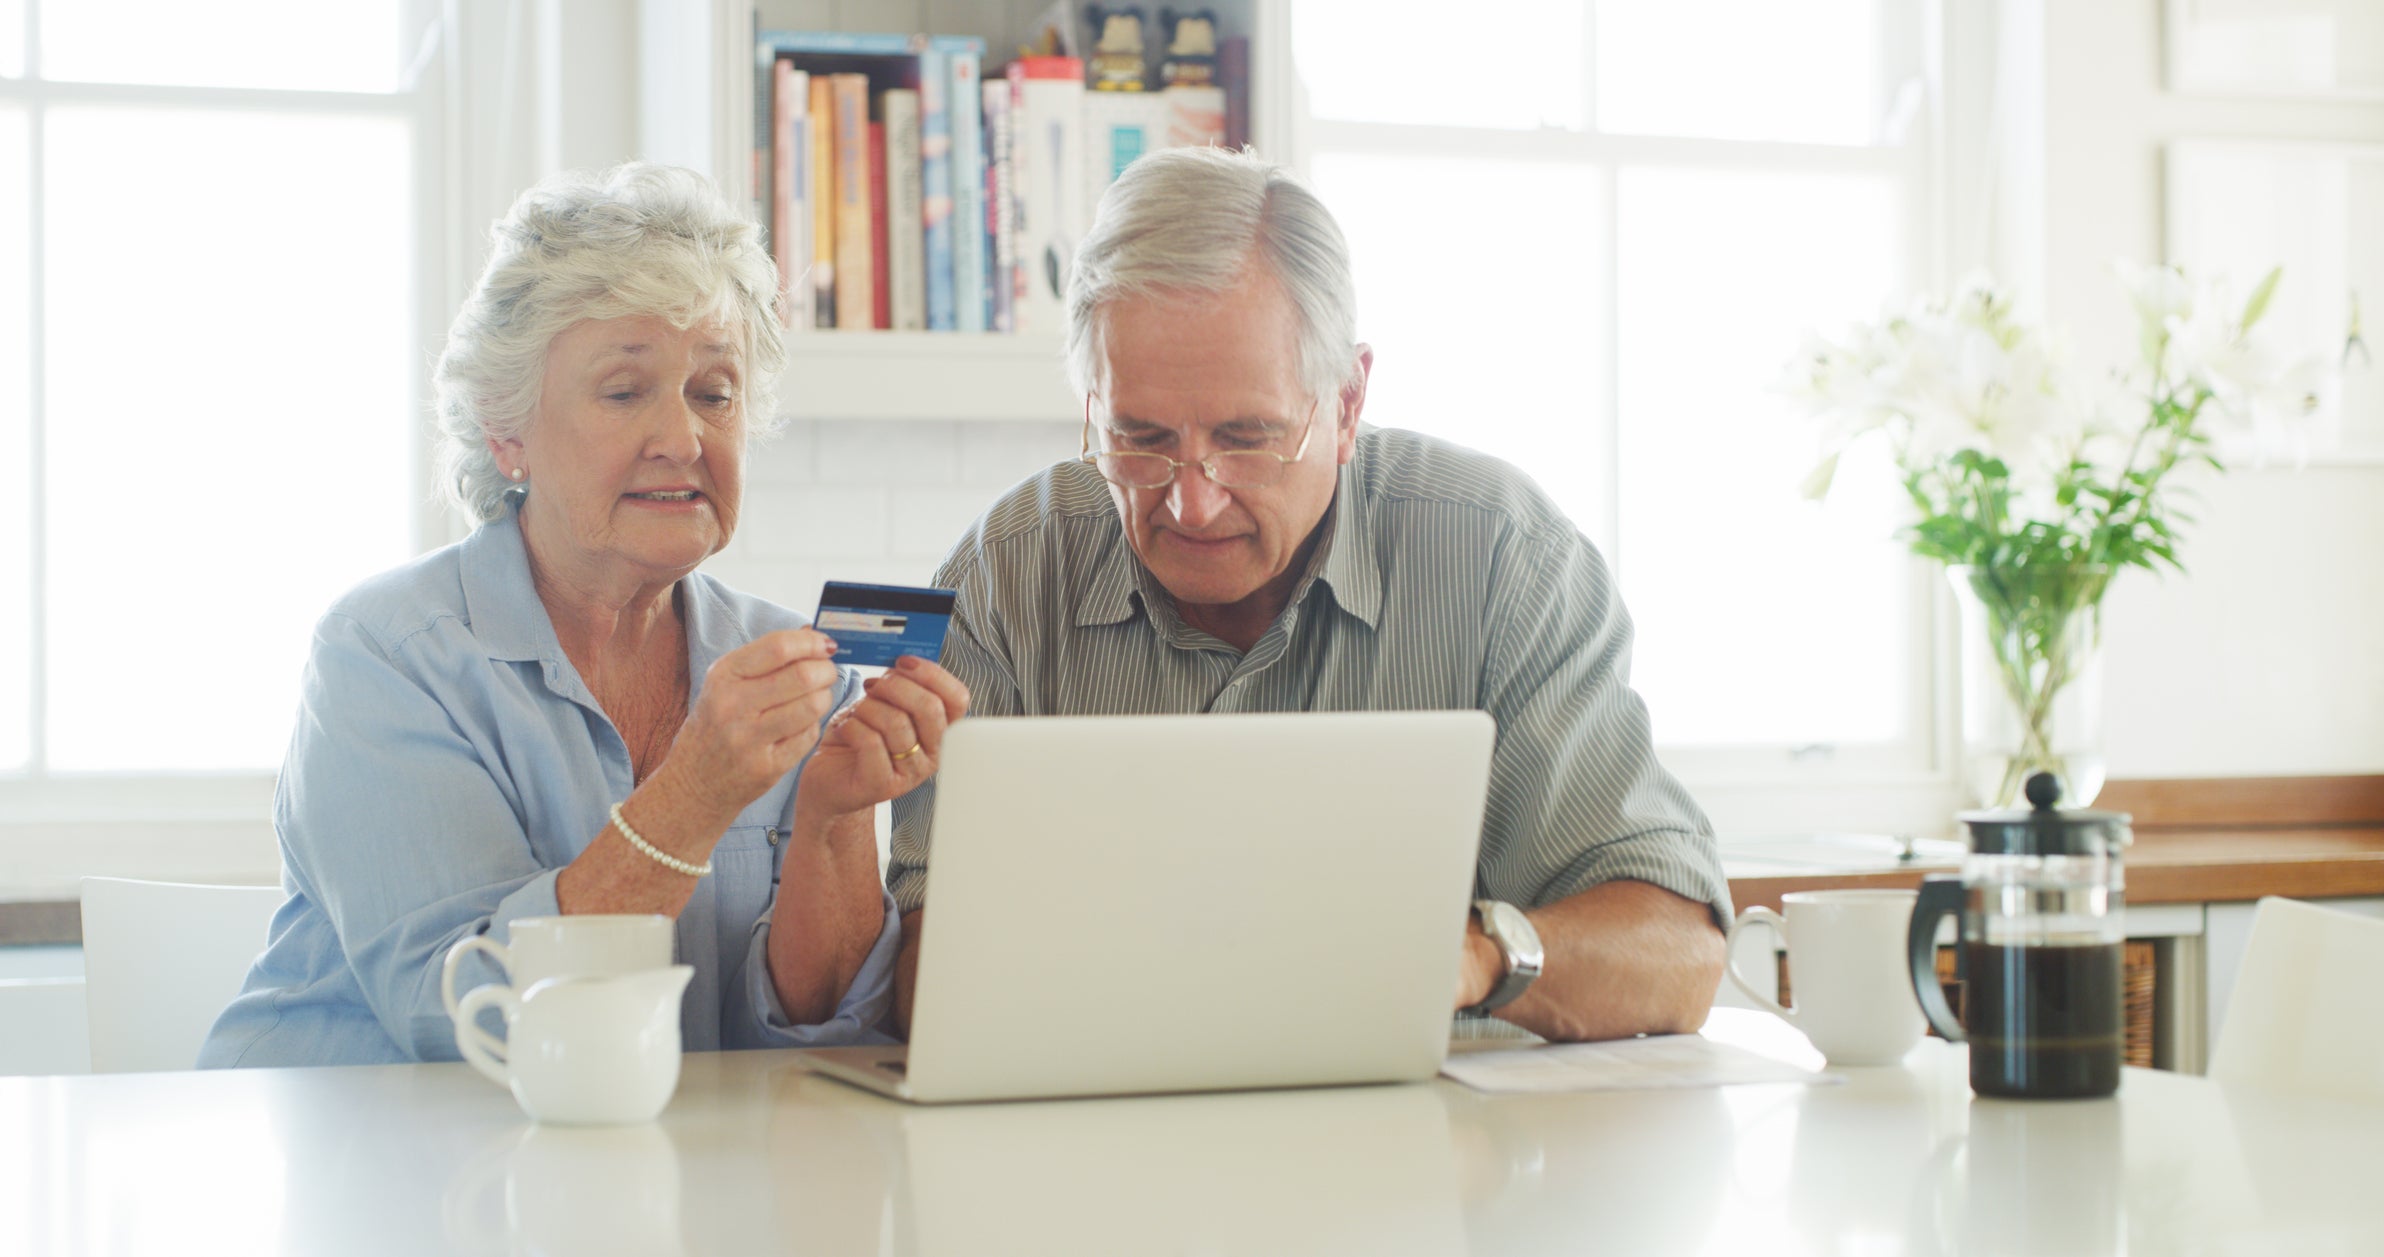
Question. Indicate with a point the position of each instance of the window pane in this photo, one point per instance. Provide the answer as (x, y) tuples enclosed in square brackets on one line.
[(16, 443), (1491, 338), (1762, 618), (1378, 61), (322, 45), (12, 37), (230, 398), (1741, 69)]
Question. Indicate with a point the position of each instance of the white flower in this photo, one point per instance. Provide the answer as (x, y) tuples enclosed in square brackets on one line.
[(2258, 393), (2160, 295), (1941, 379)]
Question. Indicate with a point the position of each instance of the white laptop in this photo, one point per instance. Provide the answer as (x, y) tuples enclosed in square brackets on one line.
[(1126, 904)]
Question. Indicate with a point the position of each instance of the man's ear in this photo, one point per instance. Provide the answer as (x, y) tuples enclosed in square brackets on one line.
[(1353, 404)]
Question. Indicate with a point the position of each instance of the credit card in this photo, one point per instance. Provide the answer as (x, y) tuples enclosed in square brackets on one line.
[(876, 624)]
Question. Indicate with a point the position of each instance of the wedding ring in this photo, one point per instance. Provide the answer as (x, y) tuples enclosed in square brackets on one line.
[(907, 754)]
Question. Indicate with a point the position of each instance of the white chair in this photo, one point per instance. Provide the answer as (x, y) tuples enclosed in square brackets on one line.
[(160, 961), (42, 1027), (2308, 1009)]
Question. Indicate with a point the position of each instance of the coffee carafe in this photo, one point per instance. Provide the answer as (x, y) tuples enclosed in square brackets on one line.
[(2040, 899)]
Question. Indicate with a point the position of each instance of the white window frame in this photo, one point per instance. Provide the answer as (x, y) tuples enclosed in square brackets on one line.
[(56, 826), (1910, 786)]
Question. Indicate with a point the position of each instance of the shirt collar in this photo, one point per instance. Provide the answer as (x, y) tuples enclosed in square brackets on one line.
[(1109, 599), (1349, 571), (512, 624), (499, 596)]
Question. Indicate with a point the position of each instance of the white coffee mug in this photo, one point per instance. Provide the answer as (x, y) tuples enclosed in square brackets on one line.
[(1846, 962), (583, 1050), (595, 945)]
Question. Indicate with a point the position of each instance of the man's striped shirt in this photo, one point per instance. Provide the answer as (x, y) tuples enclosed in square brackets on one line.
[(1447, 580)]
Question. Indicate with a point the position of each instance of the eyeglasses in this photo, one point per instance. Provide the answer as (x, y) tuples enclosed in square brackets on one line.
[(1231, 469)]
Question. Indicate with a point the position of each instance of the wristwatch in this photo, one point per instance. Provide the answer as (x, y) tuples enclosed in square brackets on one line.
[(1519, 942)]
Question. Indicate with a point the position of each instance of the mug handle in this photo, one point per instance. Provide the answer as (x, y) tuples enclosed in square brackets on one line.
[(485, 1051), (464, 1026), (1749, 919), (1940, 897)]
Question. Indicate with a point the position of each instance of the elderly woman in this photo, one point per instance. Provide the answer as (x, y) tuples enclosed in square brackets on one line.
[(558, 714)]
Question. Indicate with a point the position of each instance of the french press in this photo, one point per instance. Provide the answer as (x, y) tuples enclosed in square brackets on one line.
[(2040, 898)]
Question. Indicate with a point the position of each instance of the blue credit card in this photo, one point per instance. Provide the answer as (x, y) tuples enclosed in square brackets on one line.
[(876, 624)]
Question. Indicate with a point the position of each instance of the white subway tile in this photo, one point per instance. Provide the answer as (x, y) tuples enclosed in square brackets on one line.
[(1002, 454), (815, 522), (884, 453), (788, 457), (789, 584), (928, 521)]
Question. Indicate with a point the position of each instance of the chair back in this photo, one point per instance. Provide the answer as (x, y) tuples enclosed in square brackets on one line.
[(160, 961), (2307, 1013)]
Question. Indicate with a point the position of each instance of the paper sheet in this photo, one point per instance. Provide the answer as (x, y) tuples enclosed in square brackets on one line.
[(1673, 1060)]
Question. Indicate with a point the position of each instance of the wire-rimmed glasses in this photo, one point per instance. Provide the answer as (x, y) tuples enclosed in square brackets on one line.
[(1230, 469)]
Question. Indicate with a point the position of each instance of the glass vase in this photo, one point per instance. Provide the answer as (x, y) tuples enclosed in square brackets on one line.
[(2032, 680)]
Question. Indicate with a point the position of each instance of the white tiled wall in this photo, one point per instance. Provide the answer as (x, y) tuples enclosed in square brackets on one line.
[(872, 501)]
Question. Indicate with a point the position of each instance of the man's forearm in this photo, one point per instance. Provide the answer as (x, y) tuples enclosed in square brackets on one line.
[(1623, 958)]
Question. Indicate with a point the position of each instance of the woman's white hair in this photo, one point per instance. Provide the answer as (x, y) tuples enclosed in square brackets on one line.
[(1191, 220), (637, 240)]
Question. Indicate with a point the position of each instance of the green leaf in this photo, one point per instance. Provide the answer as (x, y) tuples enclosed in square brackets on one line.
[(2258, 305)]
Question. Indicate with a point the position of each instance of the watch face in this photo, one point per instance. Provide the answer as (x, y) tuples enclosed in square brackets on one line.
[(1511, 924)]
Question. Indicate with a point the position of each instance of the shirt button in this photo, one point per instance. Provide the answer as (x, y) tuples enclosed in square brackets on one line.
[(773, 836)]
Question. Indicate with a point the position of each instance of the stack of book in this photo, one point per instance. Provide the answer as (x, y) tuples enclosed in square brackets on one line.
[(902, 193)]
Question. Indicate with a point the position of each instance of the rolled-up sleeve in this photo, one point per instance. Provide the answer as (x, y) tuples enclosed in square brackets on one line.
[(1576, 795), (859, 1015), (395, 825)]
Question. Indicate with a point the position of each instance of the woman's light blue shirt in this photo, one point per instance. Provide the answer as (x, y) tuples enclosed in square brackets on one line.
[(448, 761)]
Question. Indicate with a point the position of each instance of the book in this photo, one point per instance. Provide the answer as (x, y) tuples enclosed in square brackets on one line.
[(1121, 126), (790, 190), (906, 278), (935, 187), (765, 114), (971, 293), (1233, 74), (891, 61), (822, 119), (1001, 212), (881, 288), (1047, 158), (856, 265)]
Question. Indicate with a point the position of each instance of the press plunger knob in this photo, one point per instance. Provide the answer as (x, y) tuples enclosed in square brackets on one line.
[(2043, 790)]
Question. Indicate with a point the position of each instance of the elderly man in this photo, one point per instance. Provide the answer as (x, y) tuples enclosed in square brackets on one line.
[(1234, 540)]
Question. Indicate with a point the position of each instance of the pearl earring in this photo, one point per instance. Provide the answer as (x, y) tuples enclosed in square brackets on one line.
[(518, 473)]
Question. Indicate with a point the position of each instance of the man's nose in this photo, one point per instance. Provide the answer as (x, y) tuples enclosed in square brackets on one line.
[(1194, 499)]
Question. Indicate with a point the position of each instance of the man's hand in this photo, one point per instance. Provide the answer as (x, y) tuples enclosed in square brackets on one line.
[(1623, 958), (1481, 967)]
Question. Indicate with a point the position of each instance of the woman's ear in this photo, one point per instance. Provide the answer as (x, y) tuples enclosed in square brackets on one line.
[(508, 453)]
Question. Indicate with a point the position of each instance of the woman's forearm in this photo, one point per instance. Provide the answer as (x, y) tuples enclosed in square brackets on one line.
[(613, 875), (830, 911)]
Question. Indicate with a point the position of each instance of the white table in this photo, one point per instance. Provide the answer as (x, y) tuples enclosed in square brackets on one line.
[(756, 1156)]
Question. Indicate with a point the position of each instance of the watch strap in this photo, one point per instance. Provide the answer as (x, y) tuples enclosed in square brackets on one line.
[(1522, 967)]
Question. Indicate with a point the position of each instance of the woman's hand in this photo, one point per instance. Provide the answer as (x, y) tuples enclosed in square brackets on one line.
[(885, 744), (758, 715)]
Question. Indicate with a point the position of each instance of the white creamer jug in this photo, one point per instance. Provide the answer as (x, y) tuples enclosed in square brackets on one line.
[(584, 1050)]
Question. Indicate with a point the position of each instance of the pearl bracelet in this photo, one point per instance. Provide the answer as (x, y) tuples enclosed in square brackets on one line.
[(661, 857)]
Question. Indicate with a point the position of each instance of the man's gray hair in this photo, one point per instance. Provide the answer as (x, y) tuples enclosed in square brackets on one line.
[(1190, 220), (637, 240)]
